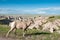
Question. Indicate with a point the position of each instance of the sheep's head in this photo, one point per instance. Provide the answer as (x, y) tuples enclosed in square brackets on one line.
[(31, 20)]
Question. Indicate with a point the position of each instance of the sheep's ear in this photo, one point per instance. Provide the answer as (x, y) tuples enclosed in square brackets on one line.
[(21, 17), (34, 17), (39, 16)]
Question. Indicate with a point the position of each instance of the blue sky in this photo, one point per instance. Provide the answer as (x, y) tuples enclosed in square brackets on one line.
[(30, 6)]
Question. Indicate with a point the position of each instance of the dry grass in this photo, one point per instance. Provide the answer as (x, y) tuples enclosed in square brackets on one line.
[(30, 34)]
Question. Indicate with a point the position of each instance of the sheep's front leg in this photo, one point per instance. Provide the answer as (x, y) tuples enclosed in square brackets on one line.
[(37, 27), (9, 32), (14, 31), (51, 30), (43, 29)]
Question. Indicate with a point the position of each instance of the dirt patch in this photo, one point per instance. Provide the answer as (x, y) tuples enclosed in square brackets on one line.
[(4, 38)]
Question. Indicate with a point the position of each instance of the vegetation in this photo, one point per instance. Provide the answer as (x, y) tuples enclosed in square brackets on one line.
[(30, 34)]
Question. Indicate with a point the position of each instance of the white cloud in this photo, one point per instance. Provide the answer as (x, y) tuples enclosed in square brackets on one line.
[(56, 8), (43, 8), (52, 10), (48, 8), (41, 12)]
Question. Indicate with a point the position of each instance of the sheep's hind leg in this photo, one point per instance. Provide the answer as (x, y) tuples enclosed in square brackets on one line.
[(23, 33)]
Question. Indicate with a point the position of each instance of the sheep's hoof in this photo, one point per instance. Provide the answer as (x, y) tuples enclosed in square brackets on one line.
[(6, 35), (23, 35)]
